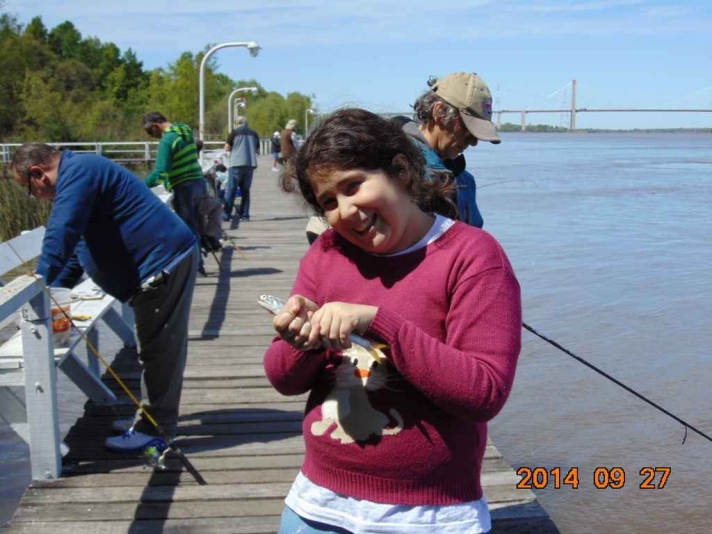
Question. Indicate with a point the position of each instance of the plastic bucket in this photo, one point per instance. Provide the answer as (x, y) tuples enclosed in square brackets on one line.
[(61, 301)]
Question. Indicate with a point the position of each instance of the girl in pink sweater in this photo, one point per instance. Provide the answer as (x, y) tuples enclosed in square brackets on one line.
[(393, 444)]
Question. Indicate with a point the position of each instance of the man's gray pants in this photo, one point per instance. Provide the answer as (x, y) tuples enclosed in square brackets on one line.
[(162, 309)]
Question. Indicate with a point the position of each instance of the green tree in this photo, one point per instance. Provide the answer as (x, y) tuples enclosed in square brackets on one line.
[(297, 104), (12, 67), (37, 30), (268, 114), (65, 40), (57, 86)]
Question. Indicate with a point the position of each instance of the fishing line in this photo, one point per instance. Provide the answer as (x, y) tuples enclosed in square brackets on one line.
[(505, 182), (144, 412), (618, 382)]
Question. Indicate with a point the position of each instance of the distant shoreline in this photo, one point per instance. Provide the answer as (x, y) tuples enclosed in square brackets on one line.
[(545, 128)]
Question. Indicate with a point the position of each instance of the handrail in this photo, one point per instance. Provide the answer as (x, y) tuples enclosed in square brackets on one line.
[(134, 151)]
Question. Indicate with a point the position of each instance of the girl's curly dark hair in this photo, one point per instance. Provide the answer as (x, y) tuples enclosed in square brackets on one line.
[(358, 139)]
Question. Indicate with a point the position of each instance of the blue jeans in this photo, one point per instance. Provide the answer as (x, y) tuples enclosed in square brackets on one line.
[(186, 200), (293, 524), (239, 177)]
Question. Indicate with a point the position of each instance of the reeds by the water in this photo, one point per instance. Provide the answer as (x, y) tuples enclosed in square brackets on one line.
[(18, 212)]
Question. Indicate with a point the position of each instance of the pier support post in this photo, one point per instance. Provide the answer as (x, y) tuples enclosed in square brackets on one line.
[(41, 388)]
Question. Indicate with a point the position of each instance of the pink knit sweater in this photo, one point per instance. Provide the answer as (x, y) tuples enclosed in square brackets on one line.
[(409, 430)]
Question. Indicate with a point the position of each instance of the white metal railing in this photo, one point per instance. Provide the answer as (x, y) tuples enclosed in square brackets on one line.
[(120, 151)]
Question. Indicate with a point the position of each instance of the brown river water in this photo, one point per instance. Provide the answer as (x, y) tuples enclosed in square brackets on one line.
[(611, 239)]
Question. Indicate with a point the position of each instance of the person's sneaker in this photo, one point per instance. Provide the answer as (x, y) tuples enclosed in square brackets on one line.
[(132, 441), (122, 425)]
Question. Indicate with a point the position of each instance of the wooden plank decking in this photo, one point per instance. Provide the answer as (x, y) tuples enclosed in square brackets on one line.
[(244, 437)]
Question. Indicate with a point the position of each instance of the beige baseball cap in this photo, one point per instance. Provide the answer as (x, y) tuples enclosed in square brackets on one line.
[(470, 95)]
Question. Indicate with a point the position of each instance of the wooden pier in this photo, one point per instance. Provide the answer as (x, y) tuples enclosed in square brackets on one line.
[(243, 436)]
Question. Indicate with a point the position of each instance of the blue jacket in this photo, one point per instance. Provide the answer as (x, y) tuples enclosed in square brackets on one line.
[(130, 234), (468, 211)]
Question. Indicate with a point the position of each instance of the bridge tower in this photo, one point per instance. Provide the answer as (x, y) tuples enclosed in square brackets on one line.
[(572, 125)]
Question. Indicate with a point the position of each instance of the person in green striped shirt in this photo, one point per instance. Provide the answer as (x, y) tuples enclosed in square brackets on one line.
[(178, 168)]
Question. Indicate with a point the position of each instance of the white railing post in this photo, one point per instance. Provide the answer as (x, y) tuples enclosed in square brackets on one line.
[(92, 360), (147, 152), (130, 319), (41, 388)]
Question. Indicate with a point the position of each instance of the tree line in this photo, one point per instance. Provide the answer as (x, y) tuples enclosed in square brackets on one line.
[(57, 85)]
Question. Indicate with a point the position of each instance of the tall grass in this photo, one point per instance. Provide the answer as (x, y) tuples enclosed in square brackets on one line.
[(18, 212)]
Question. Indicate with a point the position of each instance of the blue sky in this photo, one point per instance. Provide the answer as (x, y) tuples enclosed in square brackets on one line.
[(378, 54)]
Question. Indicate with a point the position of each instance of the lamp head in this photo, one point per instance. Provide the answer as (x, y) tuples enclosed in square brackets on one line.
[(254, 48)]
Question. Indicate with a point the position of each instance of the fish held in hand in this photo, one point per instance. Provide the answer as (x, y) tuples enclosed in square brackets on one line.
[(274, 304)]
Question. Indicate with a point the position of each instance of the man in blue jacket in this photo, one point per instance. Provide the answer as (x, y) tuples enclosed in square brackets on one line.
[(135, 249), (455, 114)]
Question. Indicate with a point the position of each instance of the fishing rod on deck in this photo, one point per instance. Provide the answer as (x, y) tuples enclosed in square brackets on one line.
[(619, 383), (155, 456)]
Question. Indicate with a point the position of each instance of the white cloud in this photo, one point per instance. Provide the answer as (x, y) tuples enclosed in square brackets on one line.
[(162, 25)]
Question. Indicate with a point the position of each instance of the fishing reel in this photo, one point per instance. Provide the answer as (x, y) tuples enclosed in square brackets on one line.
[(154, 454)]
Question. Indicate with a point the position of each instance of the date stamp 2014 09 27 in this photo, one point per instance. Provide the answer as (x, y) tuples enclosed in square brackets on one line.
[(650, 478)]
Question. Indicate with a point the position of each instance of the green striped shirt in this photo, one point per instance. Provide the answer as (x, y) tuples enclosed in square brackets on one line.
[(177, 159)]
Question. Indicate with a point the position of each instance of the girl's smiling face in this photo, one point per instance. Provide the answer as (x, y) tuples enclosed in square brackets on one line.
[(370, 209)]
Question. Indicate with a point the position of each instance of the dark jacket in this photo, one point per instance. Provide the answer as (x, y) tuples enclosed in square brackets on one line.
[(130, 234)]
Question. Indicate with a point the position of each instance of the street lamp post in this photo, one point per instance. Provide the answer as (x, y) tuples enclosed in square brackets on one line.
[(306, 121), (238, 105), (229, 104), (253, 48)]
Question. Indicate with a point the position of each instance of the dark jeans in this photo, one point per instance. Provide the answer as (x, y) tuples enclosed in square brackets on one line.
[(239, 177), (162, 309), (186, 200)]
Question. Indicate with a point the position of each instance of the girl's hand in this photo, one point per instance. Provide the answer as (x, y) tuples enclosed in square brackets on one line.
[(334, 321), (292, 322)]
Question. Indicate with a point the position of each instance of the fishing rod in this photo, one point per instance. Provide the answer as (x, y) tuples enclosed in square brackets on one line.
[(505, 182), (233, 244), (619, 383), (227, 238), (150, 452), (215, 256)]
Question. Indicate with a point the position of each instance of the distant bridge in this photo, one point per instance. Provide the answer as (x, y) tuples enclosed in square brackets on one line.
[(573, 111)]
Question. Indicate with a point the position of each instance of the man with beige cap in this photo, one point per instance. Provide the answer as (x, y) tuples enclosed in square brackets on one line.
[(454, 114)]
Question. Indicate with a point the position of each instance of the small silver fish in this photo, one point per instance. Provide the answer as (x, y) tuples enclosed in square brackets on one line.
[(274, 304)]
